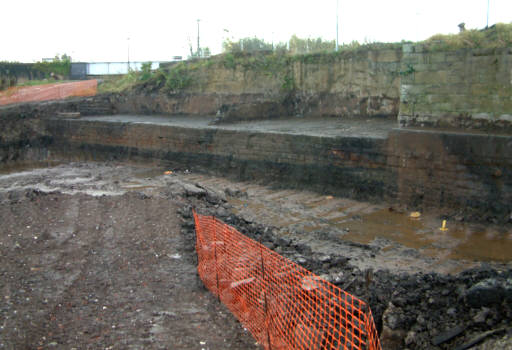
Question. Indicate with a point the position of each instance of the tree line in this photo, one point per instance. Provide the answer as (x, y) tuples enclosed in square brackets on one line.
[(294, 46)]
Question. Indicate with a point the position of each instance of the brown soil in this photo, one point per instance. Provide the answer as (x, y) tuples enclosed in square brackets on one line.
[(101, 256), (102, 271)]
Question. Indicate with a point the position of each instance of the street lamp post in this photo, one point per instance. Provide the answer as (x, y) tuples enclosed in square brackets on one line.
[(337, 10), (487, 23), (128, 65), (198, 47)]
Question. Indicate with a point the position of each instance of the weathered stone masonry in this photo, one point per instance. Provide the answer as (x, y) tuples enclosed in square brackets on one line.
[(467, 88), (460, 172)]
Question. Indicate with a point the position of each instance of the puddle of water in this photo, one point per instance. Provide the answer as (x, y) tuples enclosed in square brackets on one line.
[(460, 242), (487, 245), (368, 223), (383, 223)]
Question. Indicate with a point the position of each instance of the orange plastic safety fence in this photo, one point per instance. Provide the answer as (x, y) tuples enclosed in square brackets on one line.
[(283, 305), (48, 92)]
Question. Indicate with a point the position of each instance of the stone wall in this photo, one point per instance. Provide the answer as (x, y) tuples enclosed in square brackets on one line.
[(462, 89), (468, 174), (467, 88), (465, 175), (23, 132), (424, 87), (363, 83), (353, 167)]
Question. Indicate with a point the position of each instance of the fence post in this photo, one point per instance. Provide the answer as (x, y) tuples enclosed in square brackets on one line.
[(265, 306), (215, 253)]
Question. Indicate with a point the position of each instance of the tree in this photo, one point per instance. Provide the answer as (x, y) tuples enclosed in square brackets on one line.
[(302, 46), (62, 58), (246, 45)]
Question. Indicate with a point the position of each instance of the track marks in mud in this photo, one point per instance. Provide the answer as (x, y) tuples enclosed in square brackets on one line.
[(104, 272)]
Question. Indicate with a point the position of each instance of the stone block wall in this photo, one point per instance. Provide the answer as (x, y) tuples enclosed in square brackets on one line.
[(353, 167), (465, 175), (424, 87), (360, 84), (468, 174), (467, 88), (363, 83)]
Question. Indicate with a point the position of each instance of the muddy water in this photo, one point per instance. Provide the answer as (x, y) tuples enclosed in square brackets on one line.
[(460, 241), (365, 223)]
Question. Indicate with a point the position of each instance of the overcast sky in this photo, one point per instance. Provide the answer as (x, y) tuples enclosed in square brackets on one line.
[(97, 30)]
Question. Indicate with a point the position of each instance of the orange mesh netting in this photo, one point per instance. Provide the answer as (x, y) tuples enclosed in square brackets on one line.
[(48, 92), (283, 305)]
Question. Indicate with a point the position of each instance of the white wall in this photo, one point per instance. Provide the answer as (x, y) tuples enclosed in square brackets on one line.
[(106, 68)]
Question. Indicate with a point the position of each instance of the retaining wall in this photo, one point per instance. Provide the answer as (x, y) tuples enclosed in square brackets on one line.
[(467, 88), (465, 174), (354, 167), (423, 86), (363, 83)]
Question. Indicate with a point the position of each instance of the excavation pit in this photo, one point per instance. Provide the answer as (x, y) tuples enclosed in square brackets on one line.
[(102, 254)]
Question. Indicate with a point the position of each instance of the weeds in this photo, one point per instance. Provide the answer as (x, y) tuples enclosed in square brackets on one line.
[(184, 75), (118, 83), (288, 84), (497, 36), (178, 78)]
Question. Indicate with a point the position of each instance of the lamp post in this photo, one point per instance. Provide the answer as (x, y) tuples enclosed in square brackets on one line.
[(128, 65), (337, 10), (198, 47), (487, 23)]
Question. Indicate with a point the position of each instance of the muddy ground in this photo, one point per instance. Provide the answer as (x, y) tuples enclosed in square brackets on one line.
[(85, 266), (97, 255)]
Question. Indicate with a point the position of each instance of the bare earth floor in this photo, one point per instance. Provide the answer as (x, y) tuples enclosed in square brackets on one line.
[(98, 269), (94, 255)]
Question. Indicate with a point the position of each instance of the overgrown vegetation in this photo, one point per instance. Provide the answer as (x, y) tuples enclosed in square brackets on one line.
[(276, 60), (497, 36), (60, 65), (298, 46), (172, 80), (118, 83), (247, 45), (13, 73), (178, 78)]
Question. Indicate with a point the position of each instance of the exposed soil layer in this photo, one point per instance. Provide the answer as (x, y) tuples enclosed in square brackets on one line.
[(85, 266), (98, 255)]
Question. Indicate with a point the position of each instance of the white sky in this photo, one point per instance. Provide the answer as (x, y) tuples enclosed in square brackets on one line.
[(97, 30)]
